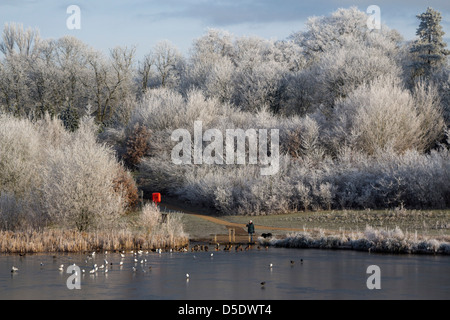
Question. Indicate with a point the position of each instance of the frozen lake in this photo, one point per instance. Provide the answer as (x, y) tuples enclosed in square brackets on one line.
[(230, 275)]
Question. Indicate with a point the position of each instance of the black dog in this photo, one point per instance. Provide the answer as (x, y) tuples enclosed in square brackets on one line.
[(266, 235)]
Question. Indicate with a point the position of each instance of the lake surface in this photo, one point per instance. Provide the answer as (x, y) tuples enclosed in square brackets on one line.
[(230, 275)]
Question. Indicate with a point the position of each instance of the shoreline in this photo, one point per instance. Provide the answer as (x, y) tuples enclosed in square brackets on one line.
[(204, 228), (371, 240)]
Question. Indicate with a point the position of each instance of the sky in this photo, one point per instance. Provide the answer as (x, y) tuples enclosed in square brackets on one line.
[(106, 24)]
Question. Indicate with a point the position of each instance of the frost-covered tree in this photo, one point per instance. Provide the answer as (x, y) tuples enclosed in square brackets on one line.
[(169, 64), (145, 71), (219, 81), (58, 75), (19, 48), (328, 32), (342, 69), (208, 52), (78, 186), (429, 49), (110, 81), (163, 66), (261, 67), (341, 54), (51, 175), (384, 115), (441, 79), (20, 156), (249, 72), (17, 40), (70, 118)]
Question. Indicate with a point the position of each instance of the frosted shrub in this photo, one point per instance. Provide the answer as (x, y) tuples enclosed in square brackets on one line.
[(159, 109), (78, 189), (303, 141), (11, 212), (372, 240), (161, 232), (163, 110), (51, 175), (303, 193), (21, 165), (173, 229), (326, 195), (269, 195), (219, 83), (428, 106), (223, 199), (159, 173), (442, 82), (384, 115), (20, 155), (258, 86), (150, 216)]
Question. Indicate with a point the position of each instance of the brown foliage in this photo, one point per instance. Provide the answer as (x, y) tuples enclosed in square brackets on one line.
[(136, 146), (293, 143), (125, 183)]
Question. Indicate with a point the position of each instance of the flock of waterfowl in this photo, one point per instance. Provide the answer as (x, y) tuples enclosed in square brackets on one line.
[(139, 257)]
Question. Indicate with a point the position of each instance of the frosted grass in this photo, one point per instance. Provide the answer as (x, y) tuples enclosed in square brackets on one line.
[(371, 240)]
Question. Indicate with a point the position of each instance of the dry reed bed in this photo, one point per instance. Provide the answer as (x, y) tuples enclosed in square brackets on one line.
[(58, 240), (371, 240)]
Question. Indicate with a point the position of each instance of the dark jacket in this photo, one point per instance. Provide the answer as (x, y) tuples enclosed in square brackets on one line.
[(251, 228)]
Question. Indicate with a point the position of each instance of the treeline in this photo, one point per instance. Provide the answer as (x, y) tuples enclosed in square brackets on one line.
[(308, 71), (362, 114)]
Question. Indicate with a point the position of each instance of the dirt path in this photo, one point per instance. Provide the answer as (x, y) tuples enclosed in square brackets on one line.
[(174, 205)]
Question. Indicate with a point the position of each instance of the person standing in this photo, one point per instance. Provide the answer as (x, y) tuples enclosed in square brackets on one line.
[(251, 230)]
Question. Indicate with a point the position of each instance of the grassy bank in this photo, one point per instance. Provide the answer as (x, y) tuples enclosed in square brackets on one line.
[(371, 240), (435, 223), (387, 231)]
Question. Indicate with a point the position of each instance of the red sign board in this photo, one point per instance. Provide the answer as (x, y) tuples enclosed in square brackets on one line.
[(157, 197)]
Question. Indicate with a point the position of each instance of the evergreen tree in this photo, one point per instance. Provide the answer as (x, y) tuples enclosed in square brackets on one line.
[(429, 48), (70, 118)]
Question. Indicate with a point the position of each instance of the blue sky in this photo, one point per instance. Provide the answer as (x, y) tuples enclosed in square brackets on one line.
[(142, 23)]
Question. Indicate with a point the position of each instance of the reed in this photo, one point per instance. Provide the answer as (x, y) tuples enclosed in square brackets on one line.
[(71, 241)]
